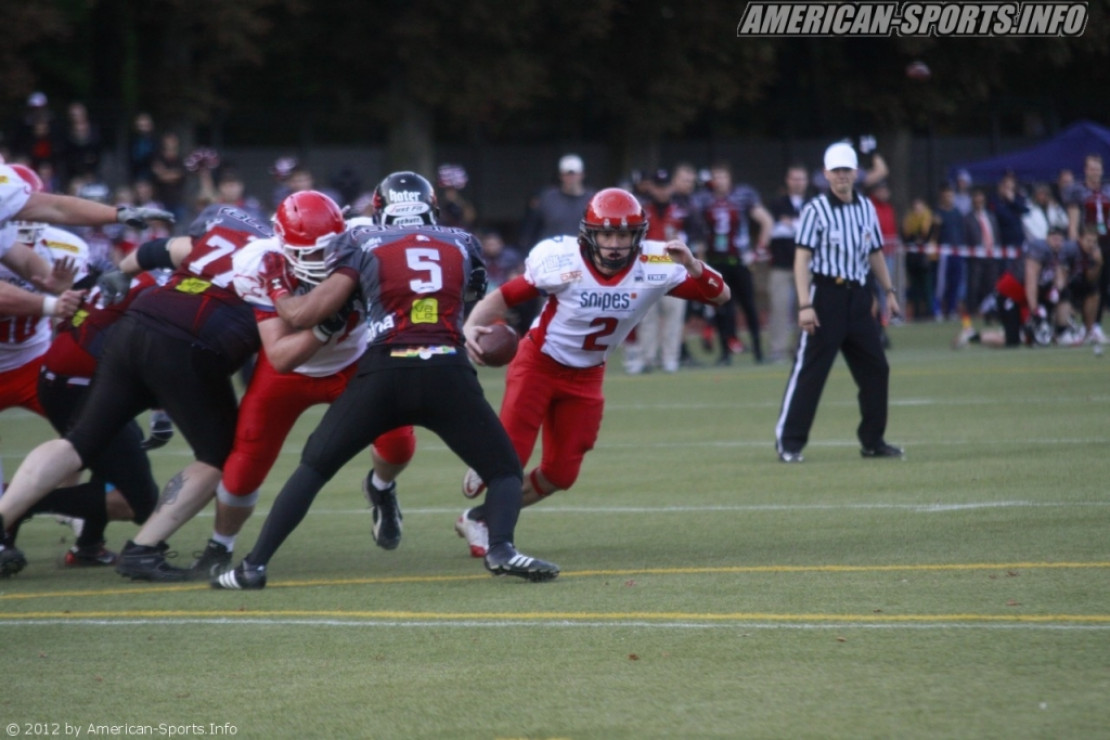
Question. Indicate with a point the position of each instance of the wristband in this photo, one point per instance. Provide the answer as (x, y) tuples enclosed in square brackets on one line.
[(710, 283), (803, 308), (320, 333), (49, 305)]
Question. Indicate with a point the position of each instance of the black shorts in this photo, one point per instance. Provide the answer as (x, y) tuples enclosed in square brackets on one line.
[(444, 397), (142, 368)]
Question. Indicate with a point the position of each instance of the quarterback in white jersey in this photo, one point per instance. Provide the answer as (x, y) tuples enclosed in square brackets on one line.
[(596, 288)]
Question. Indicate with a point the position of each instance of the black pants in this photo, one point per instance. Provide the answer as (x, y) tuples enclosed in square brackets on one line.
[(844, 312), (120, 461), (445, 398), (739, 280)]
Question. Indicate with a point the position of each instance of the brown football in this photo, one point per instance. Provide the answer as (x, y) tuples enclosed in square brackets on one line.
[(499, 346)]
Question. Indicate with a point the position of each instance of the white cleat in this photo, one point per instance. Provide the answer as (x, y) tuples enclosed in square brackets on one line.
[(472, 485), (475, 533)]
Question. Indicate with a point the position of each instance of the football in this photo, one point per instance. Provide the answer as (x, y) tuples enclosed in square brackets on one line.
[(499, 346)]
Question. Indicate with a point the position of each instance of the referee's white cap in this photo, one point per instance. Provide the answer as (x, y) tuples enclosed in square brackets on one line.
[(841, 155)]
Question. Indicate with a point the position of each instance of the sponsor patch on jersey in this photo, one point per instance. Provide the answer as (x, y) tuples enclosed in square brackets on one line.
[(656, 277), (79, 317), (375, 328), (606, 300), (556, 262), (63, 246), (655, 259), (570, 277), (425, 311), (424, 353), (192, 286)]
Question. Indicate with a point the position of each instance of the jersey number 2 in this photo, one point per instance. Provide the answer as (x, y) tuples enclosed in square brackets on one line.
[(591, 342)]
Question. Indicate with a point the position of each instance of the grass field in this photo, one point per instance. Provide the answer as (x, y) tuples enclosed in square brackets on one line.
[(707, 589)]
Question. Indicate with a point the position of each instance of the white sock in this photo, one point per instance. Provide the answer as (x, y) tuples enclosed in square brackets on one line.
[(227, 540), (378, 483)]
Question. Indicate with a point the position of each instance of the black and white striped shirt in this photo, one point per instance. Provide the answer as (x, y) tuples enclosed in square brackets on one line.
[(841, 236)]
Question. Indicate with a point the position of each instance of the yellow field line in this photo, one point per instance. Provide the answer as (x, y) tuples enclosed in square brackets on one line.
[(132, 590), (557, 616)]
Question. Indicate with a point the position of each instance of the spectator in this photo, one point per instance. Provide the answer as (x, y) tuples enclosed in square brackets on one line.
[(732, 213), (558, 209), (1044, 214), (917, 230), (454, 209), (984, 270), (950, 236), (1009, 207), (892, 242), (961, 194), (82, 148), (168, 167), (37, 140), (785, 211), (141, 148), (280, 171), (1090, 206), (347, 186), (1061, 189)]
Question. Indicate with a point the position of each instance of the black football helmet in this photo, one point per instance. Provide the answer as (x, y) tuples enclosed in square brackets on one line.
[(405, 199)]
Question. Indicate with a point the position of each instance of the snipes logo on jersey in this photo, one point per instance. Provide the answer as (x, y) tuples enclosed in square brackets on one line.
[(607, 301), (914, 19)]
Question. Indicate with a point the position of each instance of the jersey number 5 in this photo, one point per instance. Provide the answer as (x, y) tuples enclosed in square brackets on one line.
[(425, 261), (592, 341)]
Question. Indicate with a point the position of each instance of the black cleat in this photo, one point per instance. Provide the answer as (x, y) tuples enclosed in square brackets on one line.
[(213, 561), (882, 450), (504, 560), (11, 560), (386, 512), (161, 432), (243, 577), (80, 556), (148, 563)]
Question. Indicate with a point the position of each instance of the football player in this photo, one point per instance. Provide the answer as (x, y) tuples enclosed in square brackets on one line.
[(412, 278), (596, 287), (296, 370)]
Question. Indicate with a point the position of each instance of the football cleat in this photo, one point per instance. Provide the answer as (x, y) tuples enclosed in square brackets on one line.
[(882, 450), (472, 485), (11, 560), (90, 555), (474, 532), (504, 560), (386, 512), (791, 457), (210, 562), (242, 577), (148, 563)]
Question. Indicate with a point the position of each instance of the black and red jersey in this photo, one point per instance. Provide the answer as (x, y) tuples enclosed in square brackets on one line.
[(414, 284)]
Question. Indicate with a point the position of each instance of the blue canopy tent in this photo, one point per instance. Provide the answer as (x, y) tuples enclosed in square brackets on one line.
[(1044, 161)]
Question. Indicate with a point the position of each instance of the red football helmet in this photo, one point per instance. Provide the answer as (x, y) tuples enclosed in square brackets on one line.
[(612, 209), (28, 232), (305, 223)]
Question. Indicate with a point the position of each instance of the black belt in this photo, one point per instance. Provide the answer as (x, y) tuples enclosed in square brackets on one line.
[(836, 282)]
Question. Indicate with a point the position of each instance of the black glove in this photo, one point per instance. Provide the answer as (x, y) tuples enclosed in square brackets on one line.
[(476, 284), (137, 216), (337, 322), (113, 286)]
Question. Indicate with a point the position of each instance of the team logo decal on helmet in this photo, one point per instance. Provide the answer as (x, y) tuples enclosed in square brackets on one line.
[(612, 209), (306, 222), (405, 199)]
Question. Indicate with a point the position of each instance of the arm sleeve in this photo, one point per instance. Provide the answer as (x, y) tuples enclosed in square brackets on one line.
[(154, 254), (518, 290)]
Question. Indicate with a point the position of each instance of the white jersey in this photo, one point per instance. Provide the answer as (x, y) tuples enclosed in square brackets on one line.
[(26, 338), (14, 193), (586, 315), (341, 349)]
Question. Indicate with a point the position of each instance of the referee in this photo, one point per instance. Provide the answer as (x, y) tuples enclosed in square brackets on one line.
[(839, 242)]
